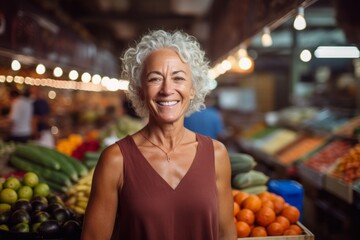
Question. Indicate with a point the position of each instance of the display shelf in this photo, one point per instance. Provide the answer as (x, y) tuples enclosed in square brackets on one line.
[(339, 188), (311, 175)]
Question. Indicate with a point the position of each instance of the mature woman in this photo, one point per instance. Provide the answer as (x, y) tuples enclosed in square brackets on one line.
[(164, 182)]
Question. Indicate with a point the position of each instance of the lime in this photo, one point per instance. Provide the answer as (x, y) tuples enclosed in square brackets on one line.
[(12, 182), (41, 189), (5, 207), (21, 227), (30, 179), (4, 227), (25, 192), (8, 195)]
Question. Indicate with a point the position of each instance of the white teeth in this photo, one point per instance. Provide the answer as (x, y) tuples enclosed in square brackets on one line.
[(168, 103)]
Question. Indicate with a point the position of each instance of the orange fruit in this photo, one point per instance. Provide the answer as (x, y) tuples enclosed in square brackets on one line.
[(278, 204), (283, 221), (252, 202), (275, 229), (268, 203), (296, 228), (291, 213), (234, 192), (236, 208), (246, 215), (290, 232), (265, 216), (240, 197), (265, 196), (258, 231), (242, 229)]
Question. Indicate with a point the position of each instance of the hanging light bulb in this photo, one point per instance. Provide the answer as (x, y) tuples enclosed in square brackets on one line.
[(266, 39), (300, 23), (245, 63)]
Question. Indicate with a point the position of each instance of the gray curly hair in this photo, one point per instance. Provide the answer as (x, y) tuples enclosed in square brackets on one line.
[(186, 46)]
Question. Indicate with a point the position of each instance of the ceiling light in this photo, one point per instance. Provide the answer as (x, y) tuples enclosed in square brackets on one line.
[(96, 79), (58, 72), (85, 77), (266, 39), (40, 69), (15, 65), (337, 52), (305, 55), (300, 23), (73, 74)]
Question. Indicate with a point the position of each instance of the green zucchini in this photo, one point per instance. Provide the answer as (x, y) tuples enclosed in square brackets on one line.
[(36, 156), (45, 173), (65, 165)]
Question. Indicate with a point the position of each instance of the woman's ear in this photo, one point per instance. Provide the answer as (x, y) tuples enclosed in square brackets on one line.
[(192, 93)]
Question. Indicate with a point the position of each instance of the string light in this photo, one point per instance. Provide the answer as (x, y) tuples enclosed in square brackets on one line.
[(40, 69), (299, 22), (266, 39)]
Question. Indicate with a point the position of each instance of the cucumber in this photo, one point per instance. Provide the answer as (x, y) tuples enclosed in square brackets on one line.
[(79, 167), (241, 157), (63, 162), (241, 163), (45, 173), (249, 179), (36, 156), (56, 187)]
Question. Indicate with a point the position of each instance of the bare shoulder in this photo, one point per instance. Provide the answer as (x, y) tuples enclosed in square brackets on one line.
[(220, 150), (110, 164)]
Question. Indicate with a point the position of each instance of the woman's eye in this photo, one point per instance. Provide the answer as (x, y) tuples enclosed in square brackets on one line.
[(179, 78), (154, 79)]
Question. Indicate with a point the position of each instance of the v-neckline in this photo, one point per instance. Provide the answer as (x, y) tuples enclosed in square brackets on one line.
[(157, 173)]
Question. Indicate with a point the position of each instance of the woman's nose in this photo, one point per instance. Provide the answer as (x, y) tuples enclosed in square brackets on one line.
[(167, 86)]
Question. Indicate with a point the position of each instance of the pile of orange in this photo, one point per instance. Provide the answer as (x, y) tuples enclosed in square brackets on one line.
[(264, 214)]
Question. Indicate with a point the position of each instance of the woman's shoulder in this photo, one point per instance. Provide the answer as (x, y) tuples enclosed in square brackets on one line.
[(111, 155)]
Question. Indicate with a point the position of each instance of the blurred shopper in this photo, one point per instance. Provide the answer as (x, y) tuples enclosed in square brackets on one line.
[(20, 117), (207, 121), (41, 127)]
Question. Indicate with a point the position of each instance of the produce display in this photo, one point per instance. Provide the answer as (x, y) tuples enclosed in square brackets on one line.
[(276, 140), (244, 177), (325, 121), (327, 156), (350, 128), (29, 208), (295, 116), (348, 166), (264, 214), (58, 170), (78, 195), (301, 148)]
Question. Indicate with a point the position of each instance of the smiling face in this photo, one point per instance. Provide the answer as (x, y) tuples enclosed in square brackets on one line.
[(167, 85)]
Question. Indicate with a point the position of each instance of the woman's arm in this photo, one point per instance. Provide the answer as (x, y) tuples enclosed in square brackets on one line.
[(102, 206), (223, 183)]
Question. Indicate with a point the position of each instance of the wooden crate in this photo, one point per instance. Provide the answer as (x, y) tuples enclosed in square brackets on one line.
[(306, 236)]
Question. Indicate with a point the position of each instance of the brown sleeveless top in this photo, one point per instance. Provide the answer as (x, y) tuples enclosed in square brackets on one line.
[(149, 209)]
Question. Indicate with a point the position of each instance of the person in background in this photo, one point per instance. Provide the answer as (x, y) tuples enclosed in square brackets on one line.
[(20, 116), (164, 181), (41, 128), (207, 121)]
